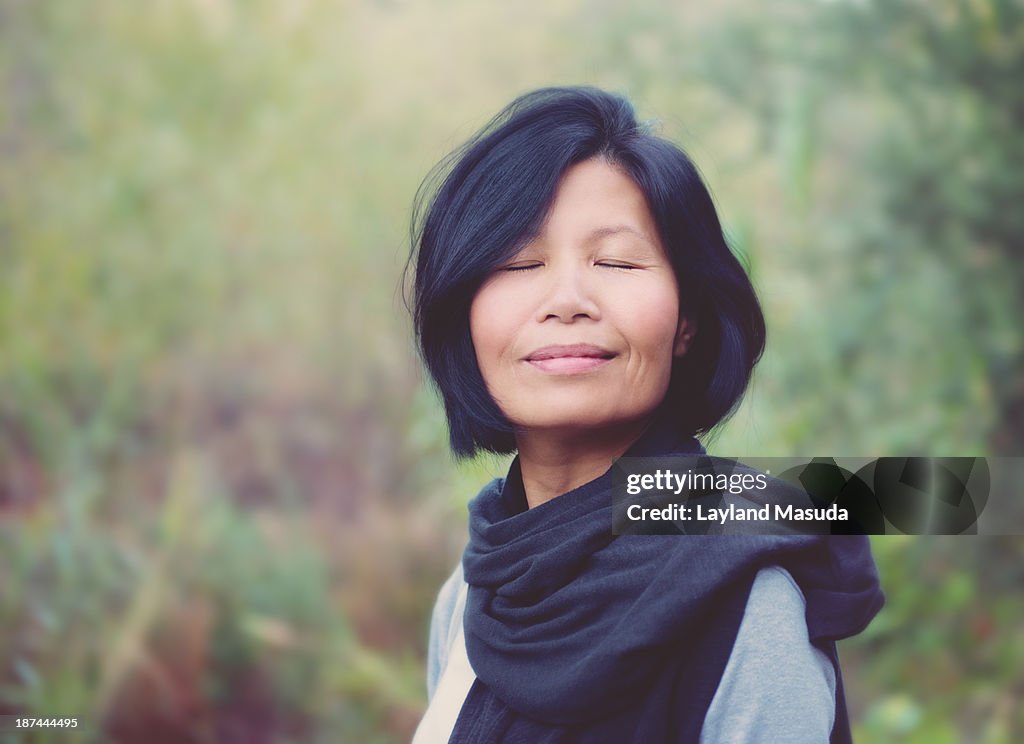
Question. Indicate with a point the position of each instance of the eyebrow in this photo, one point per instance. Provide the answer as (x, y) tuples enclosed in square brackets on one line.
[(594, 235), (604, 232)]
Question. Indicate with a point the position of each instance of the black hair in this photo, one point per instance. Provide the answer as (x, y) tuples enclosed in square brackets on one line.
[(481, 204)]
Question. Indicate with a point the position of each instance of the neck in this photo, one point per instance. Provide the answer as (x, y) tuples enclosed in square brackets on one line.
[(553, 462)]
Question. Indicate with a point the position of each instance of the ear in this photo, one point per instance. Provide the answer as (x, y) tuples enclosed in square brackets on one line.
[(684, 335)]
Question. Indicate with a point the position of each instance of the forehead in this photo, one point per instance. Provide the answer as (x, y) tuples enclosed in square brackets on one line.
[(596, 194)]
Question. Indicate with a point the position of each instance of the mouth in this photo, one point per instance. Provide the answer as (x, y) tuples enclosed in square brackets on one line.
[(570, 359)]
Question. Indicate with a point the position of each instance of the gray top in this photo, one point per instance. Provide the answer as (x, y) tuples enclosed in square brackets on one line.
[(776, 686)]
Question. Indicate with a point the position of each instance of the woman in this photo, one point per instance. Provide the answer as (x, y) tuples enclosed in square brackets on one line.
[(575, 301)]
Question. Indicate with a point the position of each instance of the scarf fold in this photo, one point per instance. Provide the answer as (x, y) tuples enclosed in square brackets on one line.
[(567, 625)]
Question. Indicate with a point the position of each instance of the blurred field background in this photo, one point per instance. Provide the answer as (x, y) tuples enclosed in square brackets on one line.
[(226, 502)]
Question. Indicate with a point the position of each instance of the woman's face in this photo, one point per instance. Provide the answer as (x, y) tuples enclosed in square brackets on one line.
[(579, 329)]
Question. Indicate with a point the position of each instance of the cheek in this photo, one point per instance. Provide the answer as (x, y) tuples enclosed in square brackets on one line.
[(489, 327), (654, 322), (654, 338)]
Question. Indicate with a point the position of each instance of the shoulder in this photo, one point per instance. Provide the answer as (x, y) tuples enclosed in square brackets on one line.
[(442, 626), (776, 599), (776, 685), (449, 591)]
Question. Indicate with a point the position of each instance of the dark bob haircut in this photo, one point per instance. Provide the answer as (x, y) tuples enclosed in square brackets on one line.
[(486, 200)]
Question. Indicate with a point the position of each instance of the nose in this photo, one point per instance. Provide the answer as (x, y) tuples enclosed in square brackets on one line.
[(568, 295)]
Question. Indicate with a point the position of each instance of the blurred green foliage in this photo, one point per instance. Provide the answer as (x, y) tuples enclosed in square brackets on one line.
[(226, 502)]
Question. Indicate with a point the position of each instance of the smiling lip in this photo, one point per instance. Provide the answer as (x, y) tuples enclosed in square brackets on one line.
[(570, 359)]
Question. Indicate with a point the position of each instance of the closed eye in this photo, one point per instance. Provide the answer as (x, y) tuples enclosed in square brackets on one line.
[(521, 267), (616, 265)]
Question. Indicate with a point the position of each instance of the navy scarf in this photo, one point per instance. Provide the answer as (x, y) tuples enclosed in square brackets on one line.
[(577, 635)]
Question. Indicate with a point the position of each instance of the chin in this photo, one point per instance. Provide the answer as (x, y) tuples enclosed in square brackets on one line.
[(575, 418)]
